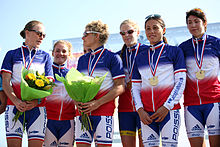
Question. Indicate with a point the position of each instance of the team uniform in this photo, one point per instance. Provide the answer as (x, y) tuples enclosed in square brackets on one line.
[(202, 93), (98, 63), (35, 119), (60, 113), (129, 120), (158, 79)]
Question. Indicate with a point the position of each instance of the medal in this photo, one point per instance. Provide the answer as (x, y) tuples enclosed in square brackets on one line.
[(199, 58), (200, 74), (154, 81), (153, 68)]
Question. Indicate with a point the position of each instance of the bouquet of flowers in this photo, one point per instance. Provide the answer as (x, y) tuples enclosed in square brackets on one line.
[(33, 86), (81, 88)]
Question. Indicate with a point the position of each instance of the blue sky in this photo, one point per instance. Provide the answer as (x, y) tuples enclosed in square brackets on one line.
[(67, 18)]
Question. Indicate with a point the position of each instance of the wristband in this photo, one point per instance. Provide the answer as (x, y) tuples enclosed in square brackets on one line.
[(38, 101)]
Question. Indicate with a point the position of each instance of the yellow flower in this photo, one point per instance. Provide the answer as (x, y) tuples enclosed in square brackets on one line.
[(39, 83), (47, 80), (31, 76)]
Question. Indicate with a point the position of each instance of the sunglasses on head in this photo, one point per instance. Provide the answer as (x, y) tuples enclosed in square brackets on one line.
[(86, 33), (127, 32), (40, 34), (152, 16)]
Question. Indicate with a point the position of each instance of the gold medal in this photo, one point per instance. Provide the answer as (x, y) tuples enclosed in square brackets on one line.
[(200, 74), (129, 85), (154, 81)]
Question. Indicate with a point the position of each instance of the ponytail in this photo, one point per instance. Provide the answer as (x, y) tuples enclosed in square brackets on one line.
[(165, 40), (122, 50)]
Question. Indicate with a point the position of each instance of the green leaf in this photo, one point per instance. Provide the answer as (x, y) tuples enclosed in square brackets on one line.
[(81, 88)]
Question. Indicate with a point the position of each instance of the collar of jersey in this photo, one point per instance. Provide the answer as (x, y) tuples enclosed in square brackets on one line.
[(26, 47), (133, 48), (156, 46), (96, 51), (58, 66), (199, 39)]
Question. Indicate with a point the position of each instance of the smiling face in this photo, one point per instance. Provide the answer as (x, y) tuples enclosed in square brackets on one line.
[(34, 39), (196, 26), (129, 34), (60, 53), (154, 31)]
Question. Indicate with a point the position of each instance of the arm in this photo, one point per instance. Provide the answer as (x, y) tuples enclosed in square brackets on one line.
[(6, 78), (118, 89), (144, 116), (3, 100), (175, 95)]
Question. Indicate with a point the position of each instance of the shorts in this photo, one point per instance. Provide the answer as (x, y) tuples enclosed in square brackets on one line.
[(103, 128), (59, 133), (35, 123), (168, 129), (198, 117), (129, 123)]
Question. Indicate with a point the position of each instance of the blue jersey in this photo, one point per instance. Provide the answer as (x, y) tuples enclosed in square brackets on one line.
[(155, 69), (202, 55), (65, 107), (98, 63), (35, 59)]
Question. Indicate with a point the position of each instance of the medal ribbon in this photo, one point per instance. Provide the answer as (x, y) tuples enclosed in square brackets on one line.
[(130, 68), (90, 68), (24, 61), (196, 52), (158, 58)]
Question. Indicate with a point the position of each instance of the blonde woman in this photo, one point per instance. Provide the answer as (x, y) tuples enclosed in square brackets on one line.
[(129, 121)]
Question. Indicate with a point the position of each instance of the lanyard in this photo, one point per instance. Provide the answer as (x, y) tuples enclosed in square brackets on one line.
[(199, 58), (27, 66), (128, 61), (91, 66), (153, 71)]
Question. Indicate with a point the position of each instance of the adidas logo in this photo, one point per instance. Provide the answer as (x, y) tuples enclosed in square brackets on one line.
[(18, 130), (196, 128), (53, 143), (151, 137), (85, 135)]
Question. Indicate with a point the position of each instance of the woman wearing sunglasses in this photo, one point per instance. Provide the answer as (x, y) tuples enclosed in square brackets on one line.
[(202, 93), (158, 81), (129, 121), (100, 109), (31, 57)]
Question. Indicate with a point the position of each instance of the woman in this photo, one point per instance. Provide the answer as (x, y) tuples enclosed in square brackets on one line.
[(158, 81), (31, 57), (60, 107), (129, 120), (202, 93), (98, 62)]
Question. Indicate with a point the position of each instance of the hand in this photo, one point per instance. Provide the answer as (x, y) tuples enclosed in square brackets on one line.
[(160, 114), (90, 106), (31, 104), (20, 105), (144, 116), (79, 106), (2, 108)]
